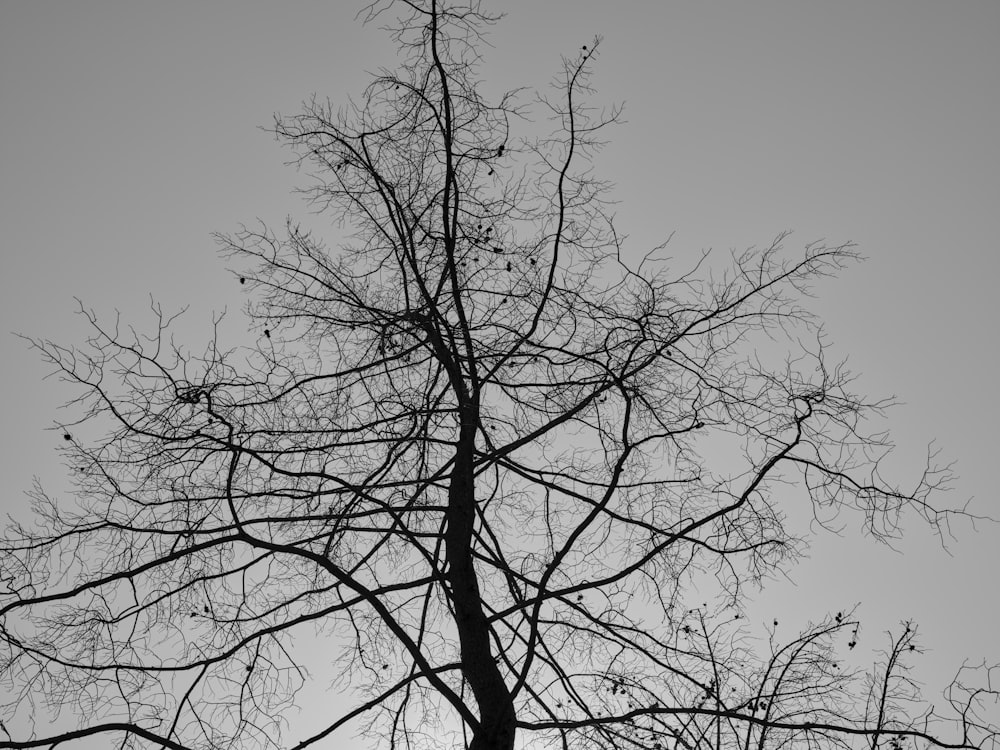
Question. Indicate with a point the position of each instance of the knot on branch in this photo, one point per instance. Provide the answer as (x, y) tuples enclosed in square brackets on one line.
[(190, 395)]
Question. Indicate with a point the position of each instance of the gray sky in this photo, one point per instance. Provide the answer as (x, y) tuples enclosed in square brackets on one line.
[(129, 133)]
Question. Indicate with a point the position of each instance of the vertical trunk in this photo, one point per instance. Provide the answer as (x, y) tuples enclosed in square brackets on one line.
[(496, 708)]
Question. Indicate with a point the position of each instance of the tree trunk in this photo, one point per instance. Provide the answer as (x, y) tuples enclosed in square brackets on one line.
[(496, 709)]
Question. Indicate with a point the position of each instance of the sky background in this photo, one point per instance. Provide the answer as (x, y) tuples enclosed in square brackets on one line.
[(129, 132)]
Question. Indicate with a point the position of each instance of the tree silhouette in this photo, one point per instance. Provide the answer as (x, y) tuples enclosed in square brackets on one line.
[(483, 454)]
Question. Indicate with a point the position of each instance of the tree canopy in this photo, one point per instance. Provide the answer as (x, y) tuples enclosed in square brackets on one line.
[(482, 452)]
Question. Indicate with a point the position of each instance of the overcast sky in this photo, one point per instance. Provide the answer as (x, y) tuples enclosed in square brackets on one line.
[(128, 133)]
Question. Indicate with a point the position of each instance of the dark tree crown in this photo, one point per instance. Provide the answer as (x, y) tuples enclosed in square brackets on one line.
[(480, 453)]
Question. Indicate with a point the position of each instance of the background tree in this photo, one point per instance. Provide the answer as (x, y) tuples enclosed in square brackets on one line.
[(481, 450)]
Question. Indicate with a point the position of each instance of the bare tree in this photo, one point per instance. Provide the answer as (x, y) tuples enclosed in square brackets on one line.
[(481, 452)]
